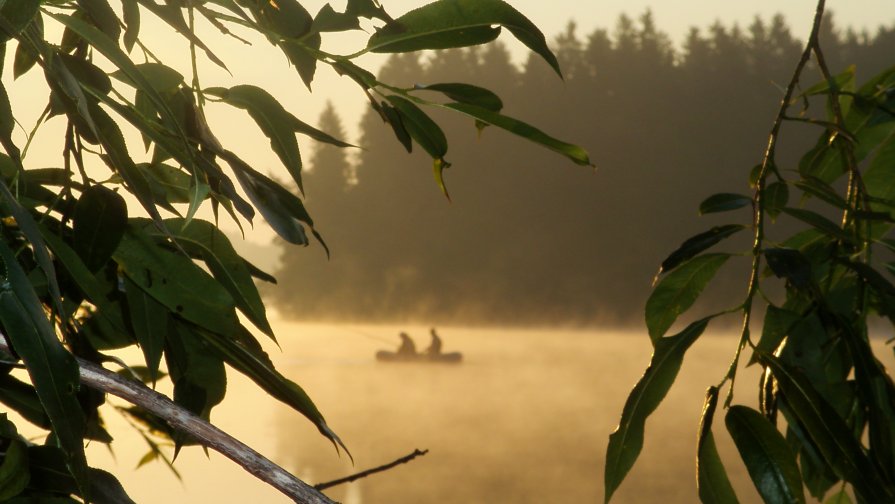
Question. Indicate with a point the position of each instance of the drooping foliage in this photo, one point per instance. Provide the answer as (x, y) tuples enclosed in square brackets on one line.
[(819, 273), (104, 250)]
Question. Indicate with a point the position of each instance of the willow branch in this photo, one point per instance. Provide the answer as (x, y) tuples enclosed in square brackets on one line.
[(208, 435), (768, 163), (363, 474)]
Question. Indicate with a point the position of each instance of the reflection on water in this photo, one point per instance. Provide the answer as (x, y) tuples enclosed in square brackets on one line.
[(525, 418)]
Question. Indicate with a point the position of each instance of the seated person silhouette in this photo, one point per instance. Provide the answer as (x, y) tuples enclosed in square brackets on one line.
[(407, 348), (434, 347)]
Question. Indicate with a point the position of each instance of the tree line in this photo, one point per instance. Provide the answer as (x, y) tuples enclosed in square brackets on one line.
[(526, 237)]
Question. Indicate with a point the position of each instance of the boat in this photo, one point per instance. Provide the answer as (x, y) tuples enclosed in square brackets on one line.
[(441, 358)]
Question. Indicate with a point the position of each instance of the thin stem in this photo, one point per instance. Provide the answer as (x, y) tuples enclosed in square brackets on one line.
[(363, 474), (767, 164)]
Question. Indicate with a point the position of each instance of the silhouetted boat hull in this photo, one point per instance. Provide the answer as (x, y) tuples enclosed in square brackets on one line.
[(444, 358)]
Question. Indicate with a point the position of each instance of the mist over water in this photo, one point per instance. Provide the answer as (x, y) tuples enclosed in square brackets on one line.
[(525, 418)]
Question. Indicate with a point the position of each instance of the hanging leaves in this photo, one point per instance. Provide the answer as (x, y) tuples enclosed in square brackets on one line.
[(626, 441)]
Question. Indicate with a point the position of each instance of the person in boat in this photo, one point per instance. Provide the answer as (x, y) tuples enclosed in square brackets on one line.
[(434, 349), (407, 347)]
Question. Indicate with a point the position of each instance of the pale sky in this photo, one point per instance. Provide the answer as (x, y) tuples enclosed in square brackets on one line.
[(264, 66)]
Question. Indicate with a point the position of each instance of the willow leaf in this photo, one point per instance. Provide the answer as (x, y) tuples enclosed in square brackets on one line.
[(626, 441)]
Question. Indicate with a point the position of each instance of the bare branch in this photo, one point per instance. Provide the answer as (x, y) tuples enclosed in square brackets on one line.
[(363, 474), (205, 433)]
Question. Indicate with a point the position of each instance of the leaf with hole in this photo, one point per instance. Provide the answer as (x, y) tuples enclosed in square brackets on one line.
[(176, 282)]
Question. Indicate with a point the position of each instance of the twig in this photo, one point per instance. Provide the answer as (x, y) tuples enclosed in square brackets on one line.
[(363, 474), (207, 434), (768, 163)]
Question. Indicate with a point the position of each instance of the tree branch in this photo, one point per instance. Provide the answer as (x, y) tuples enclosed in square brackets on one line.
[(363, 474), (208, 435)]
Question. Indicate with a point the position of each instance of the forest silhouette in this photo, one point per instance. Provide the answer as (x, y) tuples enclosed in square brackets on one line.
[(528, 237)]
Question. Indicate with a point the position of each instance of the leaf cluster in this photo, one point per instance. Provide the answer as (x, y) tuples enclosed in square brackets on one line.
[(825, 417), (84, 273)]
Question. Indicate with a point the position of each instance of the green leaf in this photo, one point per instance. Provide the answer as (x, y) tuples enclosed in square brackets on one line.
[(229, 269), (445, 24), (99, 221), (306, 129), (172, 183), (517, 127), (184, 155), (246, 356), (466, 93), (276, 123), (160, 77), (91, 286), (287, 18), (711, 477), (22, 398), (770, 462), (16, 15), (840, 81), (420, 127), (678, 291), (171, 14), (723, 202), (199, 376), (131, 12), (829, 432), (363, 77), (791, 265), (14, 475), (25, 59), (777, 324), (775, 198), (102, 16), (53, 370), (283, 210), (303, 56), (393, 118), (698, 244), (820, 189), (86, 73), (176, 282), (819, 222), (151, 322), (48, 473), (626, 441)]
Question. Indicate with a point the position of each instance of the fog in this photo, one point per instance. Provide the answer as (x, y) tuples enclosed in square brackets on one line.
[(528, 237), (524, 418)]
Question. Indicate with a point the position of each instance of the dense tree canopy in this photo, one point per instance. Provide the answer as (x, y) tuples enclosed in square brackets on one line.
[(528, 240)]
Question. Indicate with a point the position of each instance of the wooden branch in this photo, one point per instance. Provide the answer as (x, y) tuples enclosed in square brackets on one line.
[(363, 474), (208, 435)]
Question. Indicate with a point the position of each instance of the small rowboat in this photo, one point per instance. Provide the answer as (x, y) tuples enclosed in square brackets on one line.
[(442, 358)]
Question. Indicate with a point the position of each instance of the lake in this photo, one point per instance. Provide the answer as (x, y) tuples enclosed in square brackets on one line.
[(524, 419)]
